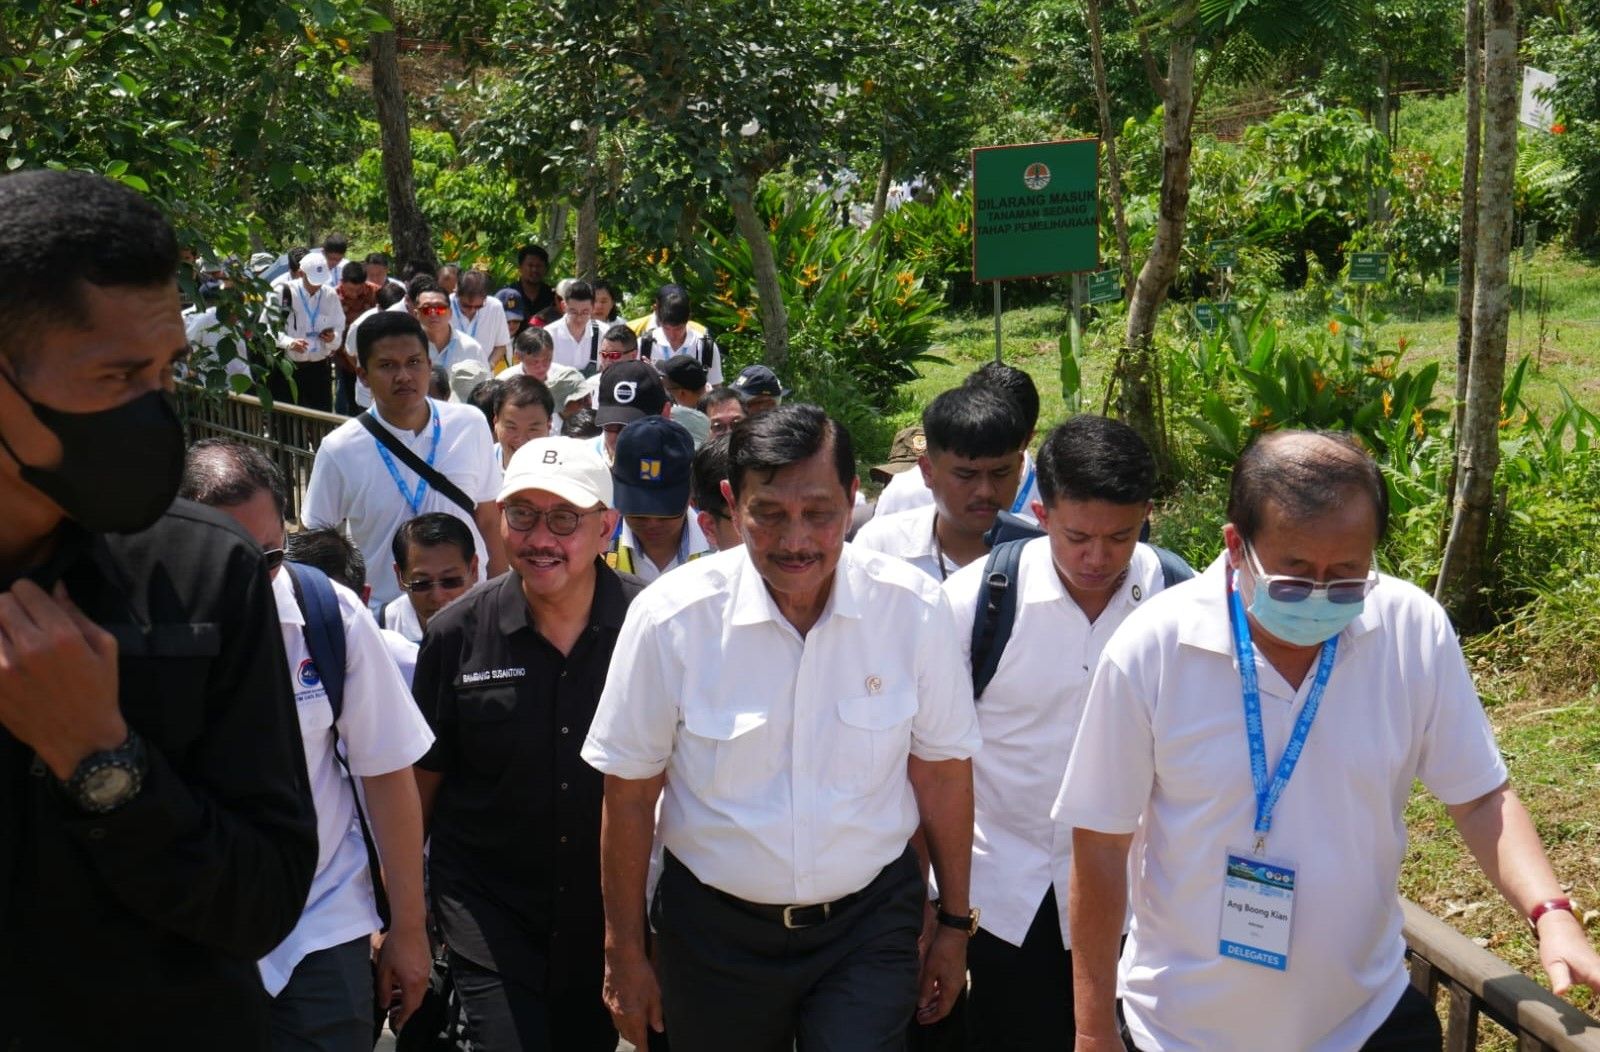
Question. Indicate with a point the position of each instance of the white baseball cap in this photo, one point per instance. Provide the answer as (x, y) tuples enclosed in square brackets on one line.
[(569, 468), (314, 265)]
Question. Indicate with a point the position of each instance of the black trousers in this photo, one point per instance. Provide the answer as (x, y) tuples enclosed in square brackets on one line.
[(313, 385), (1413, 1026), (736, 981), (502, 1015)]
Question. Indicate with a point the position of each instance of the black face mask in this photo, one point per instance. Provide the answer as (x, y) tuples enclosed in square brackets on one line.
[(120, 467)]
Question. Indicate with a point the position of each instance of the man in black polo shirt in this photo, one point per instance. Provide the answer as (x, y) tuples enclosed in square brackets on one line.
[(508, 677), (156, 828)]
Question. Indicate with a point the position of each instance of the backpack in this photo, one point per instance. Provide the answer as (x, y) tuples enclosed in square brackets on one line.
[(647, 346), (997, 610), (324, 634), (594, 351)]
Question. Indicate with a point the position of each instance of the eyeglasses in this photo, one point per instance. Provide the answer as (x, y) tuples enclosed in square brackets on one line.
[(433, 310), (1287, 589), (560, 521), (615, 356), (273, 558), (425, 585)]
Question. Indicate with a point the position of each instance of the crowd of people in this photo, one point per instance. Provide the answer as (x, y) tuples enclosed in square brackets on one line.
[(591, 698)]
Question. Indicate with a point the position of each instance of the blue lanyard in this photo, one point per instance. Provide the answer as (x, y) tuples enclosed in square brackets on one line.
[(311, 315), (1267, 793), (414, 502), (455, 309), (1019, 505)]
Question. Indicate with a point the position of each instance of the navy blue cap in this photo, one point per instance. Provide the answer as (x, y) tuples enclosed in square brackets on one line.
[(651, 467), (760, 380)]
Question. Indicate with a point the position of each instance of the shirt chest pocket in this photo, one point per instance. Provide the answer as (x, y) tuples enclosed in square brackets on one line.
[(485, 729), (873, 739), (727, 750)]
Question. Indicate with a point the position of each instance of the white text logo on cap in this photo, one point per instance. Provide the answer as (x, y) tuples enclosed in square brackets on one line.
[(624, 392)]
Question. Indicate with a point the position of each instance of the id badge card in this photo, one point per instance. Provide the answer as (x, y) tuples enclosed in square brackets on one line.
[(1257, 911)]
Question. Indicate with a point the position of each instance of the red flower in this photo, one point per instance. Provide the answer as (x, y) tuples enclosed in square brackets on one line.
[(1558, 129)]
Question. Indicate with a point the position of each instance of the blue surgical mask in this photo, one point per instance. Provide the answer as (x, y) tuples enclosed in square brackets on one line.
[(1306, 623)]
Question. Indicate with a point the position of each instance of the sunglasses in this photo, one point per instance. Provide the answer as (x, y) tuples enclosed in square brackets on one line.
[(613, 356), (273, 557), (433, 310), (424, 585), (1287, 589), (561, 521)]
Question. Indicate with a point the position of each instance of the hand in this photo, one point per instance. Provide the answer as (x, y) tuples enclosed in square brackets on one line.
[(1566, 953), (632, 995), (404, 965), (58, 678), (930, 927), (944, 975), (299, 346), (326, 335)]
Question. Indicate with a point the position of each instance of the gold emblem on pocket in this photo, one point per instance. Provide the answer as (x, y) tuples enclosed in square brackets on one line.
[(874, 684)]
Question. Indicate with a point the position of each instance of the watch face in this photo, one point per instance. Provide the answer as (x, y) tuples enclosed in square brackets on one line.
[(108, 785)]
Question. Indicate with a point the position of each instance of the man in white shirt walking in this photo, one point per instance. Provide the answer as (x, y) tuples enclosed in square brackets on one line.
[(308, 320), (577, 335), (789, 904), (1253, 738), (650, 474), (358, 478), (447, 345), (321, 977), (481, 316)]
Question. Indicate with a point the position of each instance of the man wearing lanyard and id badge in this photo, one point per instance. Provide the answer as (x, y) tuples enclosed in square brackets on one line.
[(312, 321), (1253, 740)]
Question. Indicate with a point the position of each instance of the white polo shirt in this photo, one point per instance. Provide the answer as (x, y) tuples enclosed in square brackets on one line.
[(785, 756), (1162, 753), (1029, 717), (461, 348), (908, 535), (488, 326), (204, 332), (307, 314), (691, 546), (350, 483), (400, 616), (907, 490), (574, 350), (382, 731), (661, 349), (404, 652)]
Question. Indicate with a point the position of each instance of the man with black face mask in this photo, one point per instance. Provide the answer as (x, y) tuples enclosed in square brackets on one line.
[(156, 828)]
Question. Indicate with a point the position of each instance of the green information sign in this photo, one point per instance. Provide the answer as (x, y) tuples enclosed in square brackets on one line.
[(1452, 275), (1369, 267), (1105, 286), (1210, 315), (1224, 253), (1036, 209)]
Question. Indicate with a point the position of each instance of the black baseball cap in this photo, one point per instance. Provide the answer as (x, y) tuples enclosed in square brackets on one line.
[(628, 391), (685, 371), (651, 469), (760, 380)]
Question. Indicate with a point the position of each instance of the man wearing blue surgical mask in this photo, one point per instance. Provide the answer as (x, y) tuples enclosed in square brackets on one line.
[(1261, 728)]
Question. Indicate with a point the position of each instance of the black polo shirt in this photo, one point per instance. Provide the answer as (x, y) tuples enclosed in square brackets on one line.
[(514, 861), (141, 928)]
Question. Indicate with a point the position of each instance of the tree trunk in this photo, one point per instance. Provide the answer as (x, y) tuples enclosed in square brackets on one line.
[(1478, 446), (1108, 135), (1469, 213), (1139, 393), (586, 242), (408, 228), (880, 194), (769, 294)]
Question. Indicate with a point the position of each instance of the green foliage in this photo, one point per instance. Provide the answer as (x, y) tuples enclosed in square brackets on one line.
[(934, 239), (1565, 44)]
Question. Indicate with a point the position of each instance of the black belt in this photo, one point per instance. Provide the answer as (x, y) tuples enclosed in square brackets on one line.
[(794, 918)]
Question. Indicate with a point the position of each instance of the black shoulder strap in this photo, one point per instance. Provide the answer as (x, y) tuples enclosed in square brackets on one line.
[(996, 613), (424, 471), (324, 634), (707, 345), (647, 345), (594, 348), (1174, 569)]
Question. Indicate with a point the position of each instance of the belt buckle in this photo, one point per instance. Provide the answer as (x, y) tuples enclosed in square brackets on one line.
[(790, 923)]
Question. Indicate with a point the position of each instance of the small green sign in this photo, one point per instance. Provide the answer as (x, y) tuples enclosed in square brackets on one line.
[(1452, 275), (1035, 209), (1210, 315), (1224, 253), (1105, 286), (1368, 267)]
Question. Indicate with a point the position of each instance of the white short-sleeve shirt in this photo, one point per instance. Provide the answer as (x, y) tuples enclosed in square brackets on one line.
[(307, 315), (488, 326), (382, 731), (785, 756), (1162, 753), (908, 535), (907, 490), (661, 349), (1028, 716), (691, 546), (574, 350), (350, 483)]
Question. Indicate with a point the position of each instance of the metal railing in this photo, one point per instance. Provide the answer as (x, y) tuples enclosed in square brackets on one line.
[(287, 434), (1479, 985)]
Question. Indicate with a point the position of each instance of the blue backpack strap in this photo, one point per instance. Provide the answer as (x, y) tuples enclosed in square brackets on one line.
[(1174, 568), (996, 613), (324, 629)]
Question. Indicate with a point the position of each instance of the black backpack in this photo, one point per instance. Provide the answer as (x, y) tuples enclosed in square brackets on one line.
[(997, 608), (647, 346)]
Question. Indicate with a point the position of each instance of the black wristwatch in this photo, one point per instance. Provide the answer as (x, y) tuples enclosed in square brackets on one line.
[(967, 922), (105, 781)]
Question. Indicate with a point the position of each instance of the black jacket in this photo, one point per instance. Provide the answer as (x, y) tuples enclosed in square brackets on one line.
[(141, 929)]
